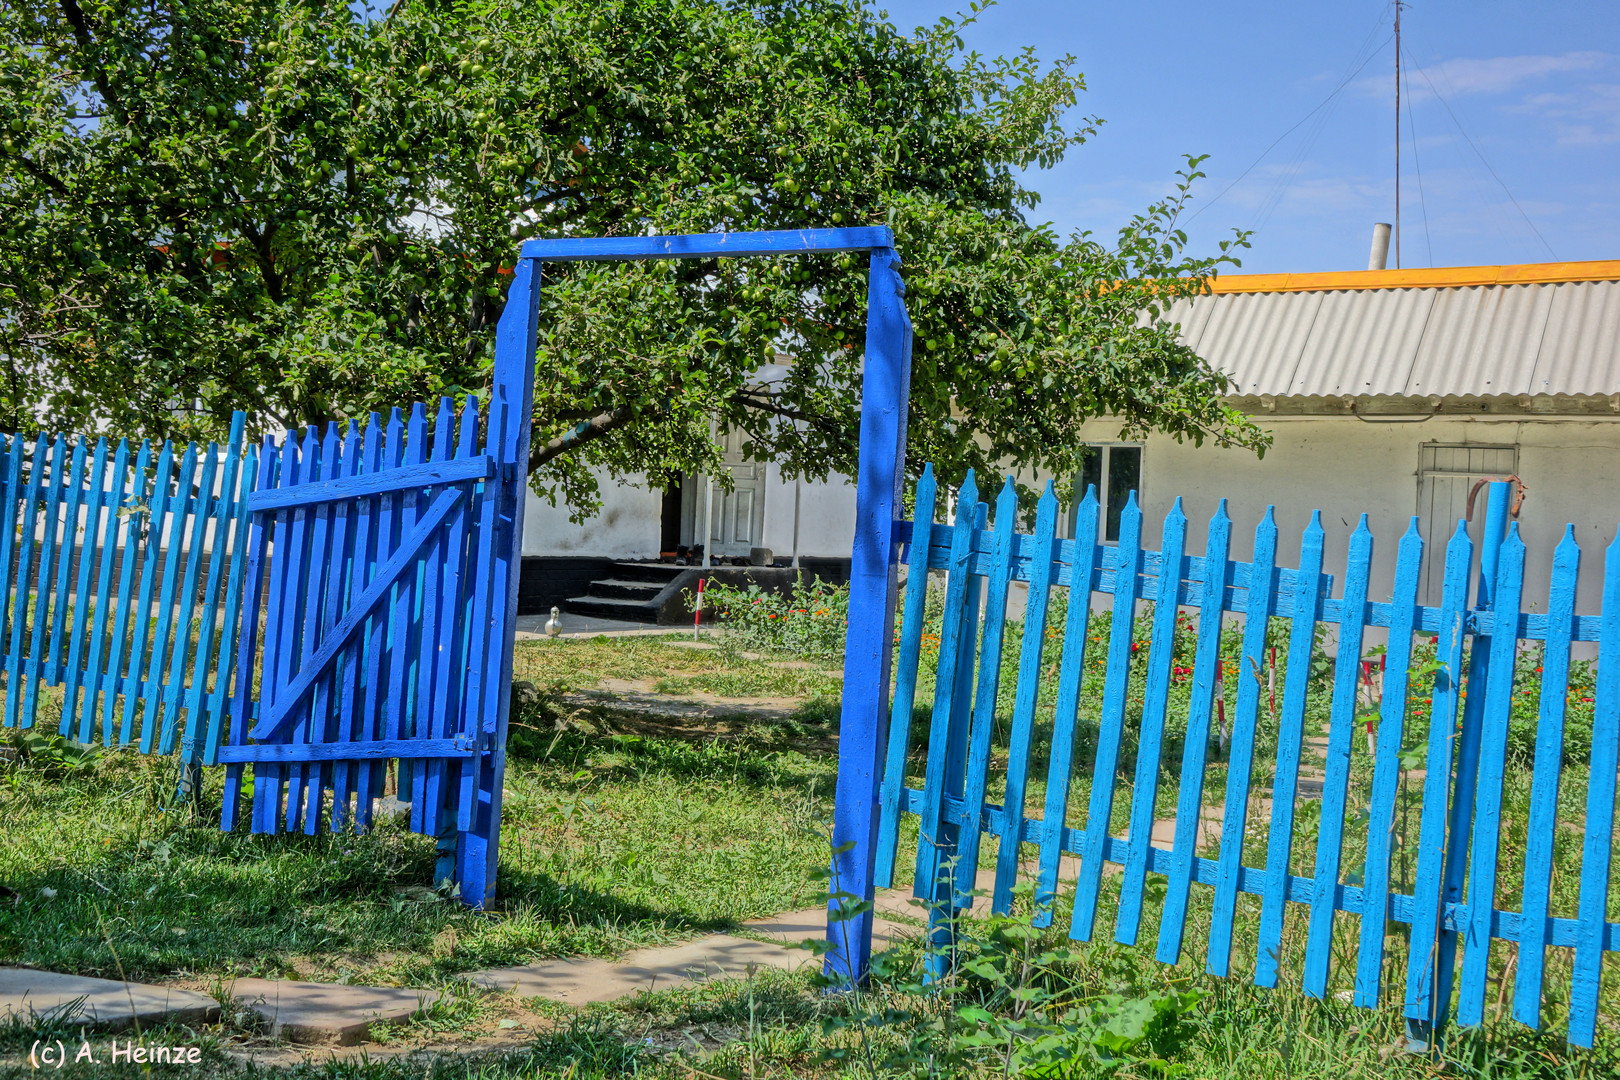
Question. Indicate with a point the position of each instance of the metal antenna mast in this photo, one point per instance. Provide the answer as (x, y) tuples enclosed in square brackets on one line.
[(1398, 6)]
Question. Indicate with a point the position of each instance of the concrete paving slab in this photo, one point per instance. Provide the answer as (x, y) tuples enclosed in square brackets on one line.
[(104, 1003), (581, 980), (792, 927), (533, 627), (324, 1013)]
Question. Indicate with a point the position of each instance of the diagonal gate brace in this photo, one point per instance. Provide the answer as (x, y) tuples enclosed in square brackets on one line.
[(334, 642)]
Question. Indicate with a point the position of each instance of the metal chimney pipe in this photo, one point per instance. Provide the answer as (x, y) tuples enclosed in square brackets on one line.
[(1379, 255)]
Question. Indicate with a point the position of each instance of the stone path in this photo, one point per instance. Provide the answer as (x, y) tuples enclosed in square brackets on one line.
[(325, 1013), (581, 980), (533, 628), (109, 1004), (301, 1012)]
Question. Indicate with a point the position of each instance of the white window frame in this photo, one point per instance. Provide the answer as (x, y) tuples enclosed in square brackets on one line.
[(1107, 450)]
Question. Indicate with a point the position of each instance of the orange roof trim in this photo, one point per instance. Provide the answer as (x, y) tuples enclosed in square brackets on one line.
[(1444, 277)]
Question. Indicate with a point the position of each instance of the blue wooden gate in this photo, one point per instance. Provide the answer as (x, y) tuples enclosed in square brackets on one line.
[(383, 563), (379, 566), (1456, 904), (373, 542)]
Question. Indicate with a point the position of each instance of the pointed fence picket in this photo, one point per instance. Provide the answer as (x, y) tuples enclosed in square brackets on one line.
[(1454, 858), (79, 515)]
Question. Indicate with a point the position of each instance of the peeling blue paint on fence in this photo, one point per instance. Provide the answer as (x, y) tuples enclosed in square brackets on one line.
[(1457, 859), (77, 514)]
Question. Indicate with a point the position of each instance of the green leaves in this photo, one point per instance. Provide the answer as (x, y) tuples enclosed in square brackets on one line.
[(311, 212), (1010, 999)]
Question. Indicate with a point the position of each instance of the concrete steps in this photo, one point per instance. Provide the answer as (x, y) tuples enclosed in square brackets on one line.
[(637, 592)]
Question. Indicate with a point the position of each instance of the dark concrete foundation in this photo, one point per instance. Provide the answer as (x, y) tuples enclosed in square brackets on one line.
[(647, 592)]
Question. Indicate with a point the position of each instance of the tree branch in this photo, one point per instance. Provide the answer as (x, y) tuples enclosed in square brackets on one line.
[(261, 242), (42, 176), (81, 32), (749, 401), (597, 426), (818, 423)]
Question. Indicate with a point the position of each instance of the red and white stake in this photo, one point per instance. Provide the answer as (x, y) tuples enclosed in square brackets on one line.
[(697, 610)]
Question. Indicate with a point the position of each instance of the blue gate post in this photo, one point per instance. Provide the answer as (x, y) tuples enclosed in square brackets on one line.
[(874, 577), (1423, 1034), (510, 405)]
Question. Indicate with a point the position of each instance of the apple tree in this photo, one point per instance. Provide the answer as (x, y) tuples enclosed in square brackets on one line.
[(309, 211)]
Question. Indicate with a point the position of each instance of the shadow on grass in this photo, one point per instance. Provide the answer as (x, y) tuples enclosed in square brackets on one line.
[(773, 758)]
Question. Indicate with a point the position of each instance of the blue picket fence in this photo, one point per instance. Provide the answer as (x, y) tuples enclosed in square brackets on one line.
[(1452, 908), (310, 611), (383, 564), (120, 583)]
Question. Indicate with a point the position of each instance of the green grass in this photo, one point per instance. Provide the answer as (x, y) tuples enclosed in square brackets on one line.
[(612, 839), (569, 664), (626, 829), (668, 666), (779, 683)]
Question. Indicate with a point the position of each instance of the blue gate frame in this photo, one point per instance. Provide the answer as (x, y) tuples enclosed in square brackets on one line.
[(874, 570)]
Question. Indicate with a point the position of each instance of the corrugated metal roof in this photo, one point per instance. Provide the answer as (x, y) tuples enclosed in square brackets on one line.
[(1363, 342), (1478, 341)]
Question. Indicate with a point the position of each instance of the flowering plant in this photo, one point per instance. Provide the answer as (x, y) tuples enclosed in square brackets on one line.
[(809, 620)]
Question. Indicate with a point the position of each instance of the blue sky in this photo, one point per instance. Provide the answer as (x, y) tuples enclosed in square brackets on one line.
[(1535, 86)]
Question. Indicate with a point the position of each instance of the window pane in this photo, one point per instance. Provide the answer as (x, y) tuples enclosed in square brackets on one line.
[(1090, 476), (1090, 473), (1124, 476)]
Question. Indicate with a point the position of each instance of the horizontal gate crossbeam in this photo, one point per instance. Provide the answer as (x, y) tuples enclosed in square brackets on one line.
[(379, 750), (708, 245), (426, 474), (289, 697)]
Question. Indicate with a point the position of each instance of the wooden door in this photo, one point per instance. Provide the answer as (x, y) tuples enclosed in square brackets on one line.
[(737, 517), (1445, 476)]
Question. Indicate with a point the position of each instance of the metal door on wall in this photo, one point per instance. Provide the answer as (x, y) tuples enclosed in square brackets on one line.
[(1445, 476)]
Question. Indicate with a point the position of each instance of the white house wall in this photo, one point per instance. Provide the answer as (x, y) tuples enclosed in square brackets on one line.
[(826, 516), (1345, 466), (628, 526)]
